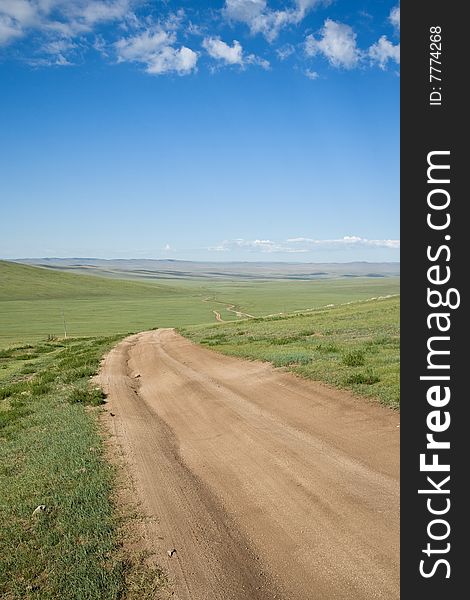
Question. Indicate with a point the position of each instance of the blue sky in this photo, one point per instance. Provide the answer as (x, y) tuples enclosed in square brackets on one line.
[(224, 130)]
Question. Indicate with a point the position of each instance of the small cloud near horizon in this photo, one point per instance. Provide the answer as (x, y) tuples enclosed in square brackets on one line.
[(301, 245)]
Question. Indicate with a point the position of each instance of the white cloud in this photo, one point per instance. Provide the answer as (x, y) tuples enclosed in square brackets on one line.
[(218, 49), (63, 17), (244, 10), (91, 12), (15, 16), (251, 245), (174, 21), (303, 244), (156, 51), (394, 17), (182, 61), (62, 61), (383, 51), (54, 54), (141, 47), (311, 74), (285, 51), (252, 59), (231, 55), (337, 43), (347, 240), (57, 30), (9, 30), (20, 12), (61, 22), (57, 60), (58, 47), (260, 18)]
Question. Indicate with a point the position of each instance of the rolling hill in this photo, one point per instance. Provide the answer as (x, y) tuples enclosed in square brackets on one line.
[(184, 269), (34, 301)]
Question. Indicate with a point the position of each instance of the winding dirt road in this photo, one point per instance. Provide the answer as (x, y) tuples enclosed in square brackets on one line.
[(267, 485)]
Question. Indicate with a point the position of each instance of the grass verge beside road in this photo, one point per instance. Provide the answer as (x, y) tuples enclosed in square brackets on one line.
[(52, 457), (355, 346)]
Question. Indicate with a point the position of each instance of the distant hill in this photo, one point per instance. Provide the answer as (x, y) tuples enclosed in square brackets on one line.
[(145, 269), (24, 282)]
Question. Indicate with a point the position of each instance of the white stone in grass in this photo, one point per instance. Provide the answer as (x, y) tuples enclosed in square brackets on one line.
[(39, 509), (171, 552)]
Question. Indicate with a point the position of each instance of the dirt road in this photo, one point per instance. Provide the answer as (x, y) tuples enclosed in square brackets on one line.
[(267, 486), (230, 308)]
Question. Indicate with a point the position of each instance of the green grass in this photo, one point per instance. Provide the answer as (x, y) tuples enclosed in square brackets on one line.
[(51, 453), (355, 346), (33, 301), (51, 449)]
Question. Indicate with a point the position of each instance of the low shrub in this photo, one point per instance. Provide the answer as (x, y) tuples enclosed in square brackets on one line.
[(39, 388), (355, 358), (327, 348), (293, 358), (367, 378), (87, 396), (78, 373)]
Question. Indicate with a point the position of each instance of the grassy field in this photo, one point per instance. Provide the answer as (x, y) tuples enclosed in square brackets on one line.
[(51, 455), (33, 301), (355, 346)]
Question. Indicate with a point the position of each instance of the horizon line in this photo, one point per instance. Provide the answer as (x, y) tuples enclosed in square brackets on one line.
[(393, 262)]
